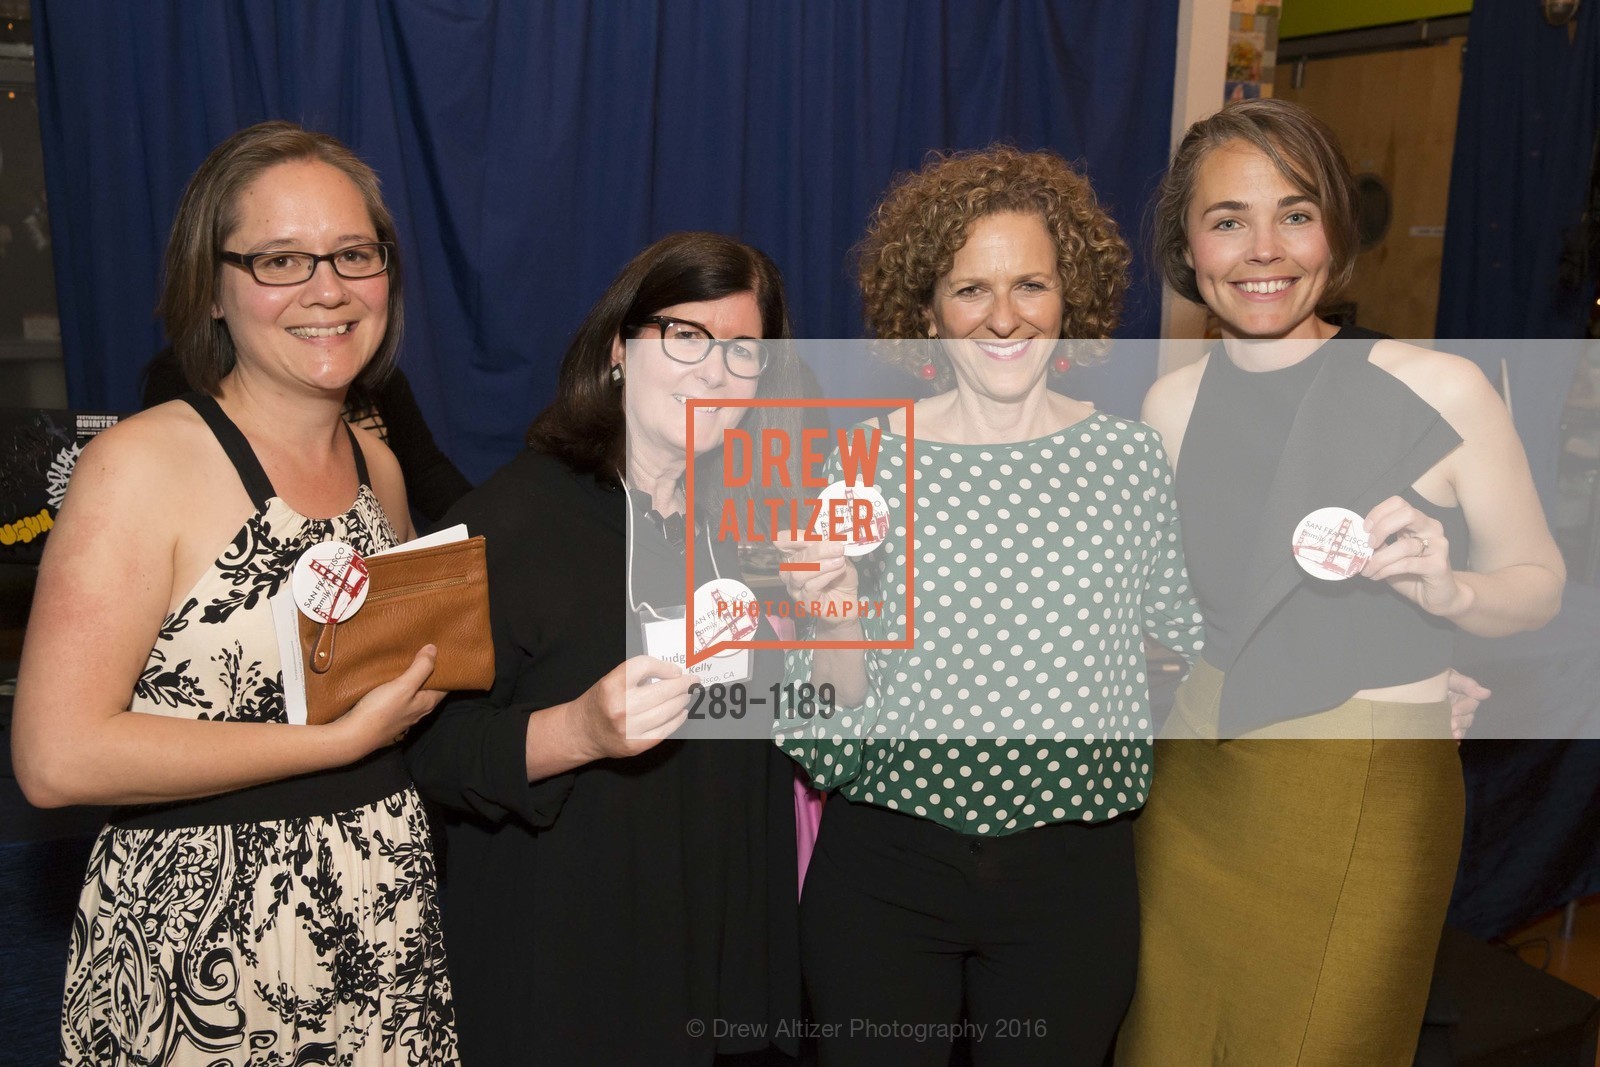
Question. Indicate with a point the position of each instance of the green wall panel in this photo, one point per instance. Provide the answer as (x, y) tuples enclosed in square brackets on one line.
[(1302, 18)]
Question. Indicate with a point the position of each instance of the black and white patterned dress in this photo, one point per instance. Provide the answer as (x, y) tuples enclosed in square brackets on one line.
[(308, 939)]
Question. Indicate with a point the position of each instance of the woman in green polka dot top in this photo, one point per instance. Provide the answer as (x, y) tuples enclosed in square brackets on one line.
[(988, 746)]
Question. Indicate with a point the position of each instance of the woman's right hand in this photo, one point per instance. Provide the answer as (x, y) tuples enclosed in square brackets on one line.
[(638, 704), (836, 581), (831, 597), (384, 715)]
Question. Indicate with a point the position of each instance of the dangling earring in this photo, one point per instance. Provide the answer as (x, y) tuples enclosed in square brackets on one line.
[(928, 371), (616, 374), (1062, 364)]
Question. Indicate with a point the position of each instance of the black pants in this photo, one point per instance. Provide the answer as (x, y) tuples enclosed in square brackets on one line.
[(903, 922)]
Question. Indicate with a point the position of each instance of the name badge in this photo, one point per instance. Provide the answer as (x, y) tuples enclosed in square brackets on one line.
[(725, 610)]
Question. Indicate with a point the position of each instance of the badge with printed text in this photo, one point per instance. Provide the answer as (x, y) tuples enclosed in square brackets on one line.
[(855, 514), (724, 610), (1331, 544), (329, 583)]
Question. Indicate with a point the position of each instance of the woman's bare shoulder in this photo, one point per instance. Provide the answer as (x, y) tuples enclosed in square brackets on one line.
[(1179, 386), (151, 450), (1455, 386), (154, 493), (160, 472), (1170, 402)]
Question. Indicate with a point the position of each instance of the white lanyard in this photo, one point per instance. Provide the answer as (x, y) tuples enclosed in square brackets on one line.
[(641, 606)]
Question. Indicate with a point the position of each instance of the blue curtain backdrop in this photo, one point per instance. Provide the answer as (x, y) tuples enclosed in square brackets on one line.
[(1514, 259), (528, 149), (1525, 141)]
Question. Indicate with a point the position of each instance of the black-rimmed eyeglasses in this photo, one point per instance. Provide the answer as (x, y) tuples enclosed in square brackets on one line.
[(293, 268), (689, 342)]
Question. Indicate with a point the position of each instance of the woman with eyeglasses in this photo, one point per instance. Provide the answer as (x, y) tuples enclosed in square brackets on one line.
[(266, 892), (614, 895)]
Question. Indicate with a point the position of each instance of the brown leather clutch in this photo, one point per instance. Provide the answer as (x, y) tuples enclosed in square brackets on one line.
[(437, 596)]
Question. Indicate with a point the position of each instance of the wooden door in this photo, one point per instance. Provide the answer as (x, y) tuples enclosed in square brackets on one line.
[(1395, 114)]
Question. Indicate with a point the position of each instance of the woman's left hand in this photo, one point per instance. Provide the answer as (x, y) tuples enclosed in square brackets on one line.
[(1416, 562), (1465, 693)]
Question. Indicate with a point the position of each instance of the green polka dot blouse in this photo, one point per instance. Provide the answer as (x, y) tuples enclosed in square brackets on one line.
[(1022, 701)]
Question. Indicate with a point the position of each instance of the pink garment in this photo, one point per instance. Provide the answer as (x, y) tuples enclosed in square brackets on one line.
[(807, 801), (807, 819)]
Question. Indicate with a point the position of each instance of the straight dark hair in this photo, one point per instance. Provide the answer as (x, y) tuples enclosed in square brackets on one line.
[(584, 426), (207, 217)]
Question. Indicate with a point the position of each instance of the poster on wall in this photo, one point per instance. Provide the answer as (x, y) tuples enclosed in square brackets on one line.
[(1252, 49), (38, 449)]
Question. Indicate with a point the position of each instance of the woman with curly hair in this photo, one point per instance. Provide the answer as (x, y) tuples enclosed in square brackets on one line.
[(977, 848)]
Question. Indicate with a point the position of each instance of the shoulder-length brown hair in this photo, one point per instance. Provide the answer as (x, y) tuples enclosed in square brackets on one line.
[(584, 425), (207, 217), (1305, 151), (926, 217)]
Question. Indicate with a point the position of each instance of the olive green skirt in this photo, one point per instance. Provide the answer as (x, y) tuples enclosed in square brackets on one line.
[(1292, 892)]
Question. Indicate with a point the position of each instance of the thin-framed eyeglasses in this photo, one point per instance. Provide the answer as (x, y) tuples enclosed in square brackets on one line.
[(690, 342), (366, 260)]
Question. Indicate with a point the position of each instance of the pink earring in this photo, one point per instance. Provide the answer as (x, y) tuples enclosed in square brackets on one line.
[(928, 370), (1061, 364)]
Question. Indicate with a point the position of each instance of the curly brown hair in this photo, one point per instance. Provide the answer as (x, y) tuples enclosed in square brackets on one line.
[(925, 218)]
